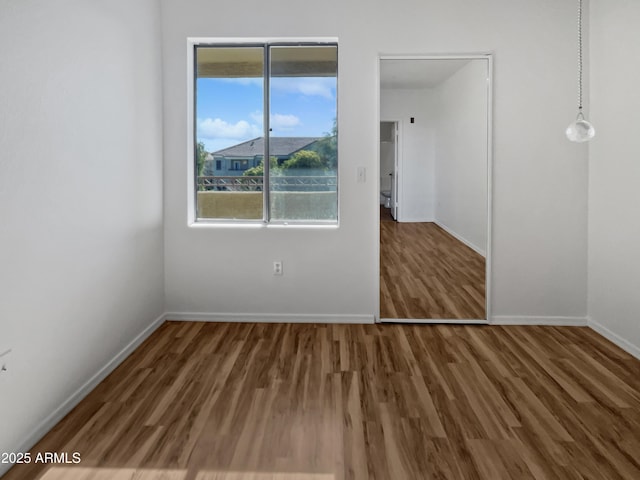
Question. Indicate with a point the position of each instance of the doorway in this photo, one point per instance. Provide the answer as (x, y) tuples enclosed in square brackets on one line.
[(435, 163), (389, 146)]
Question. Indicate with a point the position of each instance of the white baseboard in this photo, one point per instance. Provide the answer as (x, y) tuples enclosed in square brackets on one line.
[(526, 320), (461, 238), (625, 345), (415, 220), (59, 413), (268, 317), (436, 321)]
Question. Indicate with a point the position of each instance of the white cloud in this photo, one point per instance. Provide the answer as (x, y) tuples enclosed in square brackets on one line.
[(284, 122), (316, 86), (217, 128), (312, 86), (257, 117), (277, 121)]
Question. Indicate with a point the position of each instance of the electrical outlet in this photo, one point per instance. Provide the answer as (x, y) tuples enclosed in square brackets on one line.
[(277, 267)]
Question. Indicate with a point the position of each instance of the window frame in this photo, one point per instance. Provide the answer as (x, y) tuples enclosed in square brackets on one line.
[(192, 77)]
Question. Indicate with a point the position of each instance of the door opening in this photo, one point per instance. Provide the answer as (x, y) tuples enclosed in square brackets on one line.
[(389, 168), (435, 256)]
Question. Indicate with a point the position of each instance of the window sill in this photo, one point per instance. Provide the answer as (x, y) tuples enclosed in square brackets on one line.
[(203, 224)]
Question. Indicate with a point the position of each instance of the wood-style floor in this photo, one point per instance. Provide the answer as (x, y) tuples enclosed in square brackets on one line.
[(205, 401), (427, 273)]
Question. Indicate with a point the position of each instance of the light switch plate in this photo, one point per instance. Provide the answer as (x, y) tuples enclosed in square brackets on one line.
[(361, 175)]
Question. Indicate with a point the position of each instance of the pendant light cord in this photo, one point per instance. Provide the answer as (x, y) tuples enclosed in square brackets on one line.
[(580, 130), (579, 56)]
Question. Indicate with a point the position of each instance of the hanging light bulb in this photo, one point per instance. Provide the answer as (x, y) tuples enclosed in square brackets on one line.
[(580, 130)]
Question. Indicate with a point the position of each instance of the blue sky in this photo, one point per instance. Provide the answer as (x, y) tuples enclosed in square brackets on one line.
[(230, 110)]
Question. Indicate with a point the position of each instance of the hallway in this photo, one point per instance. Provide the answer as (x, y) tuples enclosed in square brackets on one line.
[(427, 273)]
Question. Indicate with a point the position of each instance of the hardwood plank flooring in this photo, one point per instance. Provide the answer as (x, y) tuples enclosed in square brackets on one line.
[(427, 273), (231, 401)]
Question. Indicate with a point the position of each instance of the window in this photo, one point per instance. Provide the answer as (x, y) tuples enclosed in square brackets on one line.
[(266, 100), (240, 164)]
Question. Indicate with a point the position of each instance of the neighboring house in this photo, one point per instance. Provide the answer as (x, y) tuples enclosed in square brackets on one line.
[(233, 161)]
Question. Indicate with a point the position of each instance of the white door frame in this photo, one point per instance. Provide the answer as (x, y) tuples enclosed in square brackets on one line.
[(488, 259)]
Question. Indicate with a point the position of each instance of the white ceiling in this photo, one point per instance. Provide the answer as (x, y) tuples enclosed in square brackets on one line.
[(417, 73)]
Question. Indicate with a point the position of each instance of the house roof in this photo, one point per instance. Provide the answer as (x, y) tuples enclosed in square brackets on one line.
[(278, 146)]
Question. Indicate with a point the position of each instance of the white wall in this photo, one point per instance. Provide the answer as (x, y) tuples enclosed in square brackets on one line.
[(417, 149), (461, 154), (540, 179), (81, 256), (614, 172)]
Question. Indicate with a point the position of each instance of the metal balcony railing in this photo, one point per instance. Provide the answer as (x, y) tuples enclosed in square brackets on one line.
[(315, 183)]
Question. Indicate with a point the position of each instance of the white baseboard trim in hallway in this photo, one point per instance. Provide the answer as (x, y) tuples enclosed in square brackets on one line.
[(455, 235), (268, 317)]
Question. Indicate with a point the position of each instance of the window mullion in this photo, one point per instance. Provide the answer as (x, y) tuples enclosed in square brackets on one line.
[(266, 190)]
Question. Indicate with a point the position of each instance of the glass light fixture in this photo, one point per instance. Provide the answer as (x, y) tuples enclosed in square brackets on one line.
[(580, 130)]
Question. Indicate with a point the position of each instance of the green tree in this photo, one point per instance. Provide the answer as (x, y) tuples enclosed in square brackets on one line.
[(258, 170), (307, 159), (201, 156), (327, 147)]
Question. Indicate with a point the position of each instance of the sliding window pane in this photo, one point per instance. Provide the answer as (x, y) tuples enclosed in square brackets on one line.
[(303, 134), (229, 107)]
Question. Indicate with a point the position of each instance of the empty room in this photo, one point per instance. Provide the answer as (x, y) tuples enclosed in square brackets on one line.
[(194, 281)]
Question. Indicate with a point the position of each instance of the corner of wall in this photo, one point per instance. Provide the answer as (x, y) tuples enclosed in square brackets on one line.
[(614, 338)]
